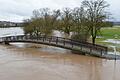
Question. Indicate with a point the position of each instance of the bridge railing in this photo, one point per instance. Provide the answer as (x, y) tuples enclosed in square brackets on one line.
[(59, 41)]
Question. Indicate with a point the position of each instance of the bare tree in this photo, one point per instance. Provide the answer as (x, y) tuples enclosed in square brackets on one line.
[(96, 15), (49, 19), (36, 14), (84, 21), (66, 20), (79, 24), (42, 21)]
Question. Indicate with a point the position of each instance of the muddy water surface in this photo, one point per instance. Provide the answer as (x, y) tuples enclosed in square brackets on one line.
[(38, 62), (21, 61)]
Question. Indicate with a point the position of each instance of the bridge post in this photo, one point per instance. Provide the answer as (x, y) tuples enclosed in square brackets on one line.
[(6, 42), (72, 43), (56, 40), (101, 52), (64, 42), (50, 39), (81, 47), (43, 39), (90, 50)]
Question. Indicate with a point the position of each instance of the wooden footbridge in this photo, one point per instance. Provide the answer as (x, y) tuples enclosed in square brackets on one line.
[(81, 47)]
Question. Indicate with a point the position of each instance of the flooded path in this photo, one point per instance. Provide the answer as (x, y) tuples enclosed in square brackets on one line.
[(39, 62)]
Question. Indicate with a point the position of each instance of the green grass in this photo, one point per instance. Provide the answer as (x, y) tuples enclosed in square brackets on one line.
[(110, 33)]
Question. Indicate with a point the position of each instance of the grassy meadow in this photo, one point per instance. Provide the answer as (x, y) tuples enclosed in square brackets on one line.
[(111, 32)]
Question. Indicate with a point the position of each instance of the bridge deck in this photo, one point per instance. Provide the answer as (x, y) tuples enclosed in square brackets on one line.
[(83, 48)]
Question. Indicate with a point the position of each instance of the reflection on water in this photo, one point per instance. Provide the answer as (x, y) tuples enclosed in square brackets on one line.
[(26, 63), (41, 47)]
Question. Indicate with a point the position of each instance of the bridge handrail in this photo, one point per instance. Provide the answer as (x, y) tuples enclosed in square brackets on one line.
[(58, 39), (66, 39)]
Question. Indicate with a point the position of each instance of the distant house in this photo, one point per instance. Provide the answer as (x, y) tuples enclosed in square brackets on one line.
[(9, 24)]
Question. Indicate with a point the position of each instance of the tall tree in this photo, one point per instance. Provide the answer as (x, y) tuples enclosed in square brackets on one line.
[(66, 20), (81, 31), (49, 19), (42, 21), (96, 15)]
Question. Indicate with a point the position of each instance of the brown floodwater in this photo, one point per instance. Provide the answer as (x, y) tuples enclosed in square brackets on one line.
[(40, 62)]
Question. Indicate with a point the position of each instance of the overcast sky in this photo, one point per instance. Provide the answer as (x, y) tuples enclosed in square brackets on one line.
[(17, 10)]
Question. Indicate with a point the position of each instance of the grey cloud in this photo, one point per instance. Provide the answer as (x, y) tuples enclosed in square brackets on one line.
[(17, 10)]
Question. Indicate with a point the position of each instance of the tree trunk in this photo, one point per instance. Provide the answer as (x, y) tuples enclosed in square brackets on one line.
[(93, 40)]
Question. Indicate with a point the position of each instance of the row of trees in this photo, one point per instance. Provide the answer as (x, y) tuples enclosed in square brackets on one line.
[(83, 21)]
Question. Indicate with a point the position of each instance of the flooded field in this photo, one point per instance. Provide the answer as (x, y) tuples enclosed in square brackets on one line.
[(39, 62)]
